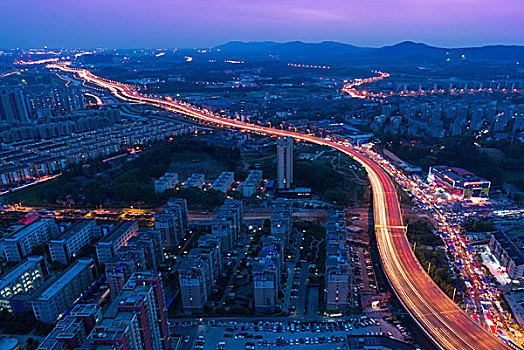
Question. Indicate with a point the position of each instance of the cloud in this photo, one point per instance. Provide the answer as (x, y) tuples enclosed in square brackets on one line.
[(314, 14)]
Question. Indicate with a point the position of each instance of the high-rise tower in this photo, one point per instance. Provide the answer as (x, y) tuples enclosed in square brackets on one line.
[(285, 163)]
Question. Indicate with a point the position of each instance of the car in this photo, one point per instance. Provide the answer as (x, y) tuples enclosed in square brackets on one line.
[(186, 339)]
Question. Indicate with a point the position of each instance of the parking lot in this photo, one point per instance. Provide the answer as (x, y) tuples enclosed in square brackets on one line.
[(363, 279), (296, 334)]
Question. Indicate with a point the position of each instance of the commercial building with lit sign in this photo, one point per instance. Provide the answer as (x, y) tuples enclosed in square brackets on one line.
[(459, 182)]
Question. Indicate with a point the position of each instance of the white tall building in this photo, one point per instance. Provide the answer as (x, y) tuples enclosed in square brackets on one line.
[(285, 163)]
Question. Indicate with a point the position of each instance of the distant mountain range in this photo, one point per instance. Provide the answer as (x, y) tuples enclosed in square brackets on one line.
[(407, 52)]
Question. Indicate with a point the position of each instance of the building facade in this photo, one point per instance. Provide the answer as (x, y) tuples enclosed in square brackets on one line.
[(13, 106), (285, 163), (59, 293), (193, 285), (71, 331), (224, 182), (21, 243), (67, 245), (24, 278), (252, 182), (107, 247), (172, 221), (508, 253), (459, 182)]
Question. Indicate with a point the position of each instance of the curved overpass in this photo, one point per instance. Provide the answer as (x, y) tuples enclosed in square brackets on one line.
[(448, 326)]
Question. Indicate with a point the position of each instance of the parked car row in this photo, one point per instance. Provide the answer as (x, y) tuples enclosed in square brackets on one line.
[(245, 329), (300, 341)]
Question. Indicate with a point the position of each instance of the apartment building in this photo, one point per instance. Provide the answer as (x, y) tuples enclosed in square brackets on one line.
[(137, 318), (107, 247), (71, 331), (68, 244), (24, 278), (168, 181), (252, 182), (337, 274), (193, 278), (19, 244), (59, 293), (172, 221), (224, 182)]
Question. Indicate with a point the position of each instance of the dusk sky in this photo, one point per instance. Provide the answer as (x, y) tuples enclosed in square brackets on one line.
[(206, 23)]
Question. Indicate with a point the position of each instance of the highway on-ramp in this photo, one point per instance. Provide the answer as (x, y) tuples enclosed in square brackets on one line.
[(448, 326)]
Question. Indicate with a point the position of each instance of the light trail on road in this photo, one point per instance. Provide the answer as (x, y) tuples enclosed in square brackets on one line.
[(443, 321), (41, 61), (8, 73), (351, 89)]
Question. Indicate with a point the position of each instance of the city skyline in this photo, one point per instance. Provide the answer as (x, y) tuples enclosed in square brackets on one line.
[(239, 175), (185, 24)]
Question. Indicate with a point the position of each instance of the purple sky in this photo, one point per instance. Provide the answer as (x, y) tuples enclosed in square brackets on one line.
[(204, 23)]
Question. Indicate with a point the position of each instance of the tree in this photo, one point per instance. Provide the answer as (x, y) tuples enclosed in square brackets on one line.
[(337, 197)]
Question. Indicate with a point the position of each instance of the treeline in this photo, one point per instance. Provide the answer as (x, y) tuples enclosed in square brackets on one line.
[(434, 259), (462, 153), (22, 324), (479, 225), (422, 232), (131, 182), (440, 272), (328, 183)]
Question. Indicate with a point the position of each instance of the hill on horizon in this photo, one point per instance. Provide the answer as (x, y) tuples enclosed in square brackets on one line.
[(332, 51)]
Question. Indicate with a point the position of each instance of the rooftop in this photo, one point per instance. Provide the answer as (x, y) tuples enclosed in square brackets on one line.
[(19, 269), (118, 231), (54, 285), (458, 174), (72, 230), (510, 247), (22, 232), (376, 342)]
